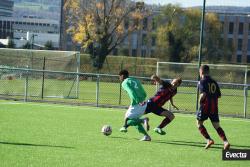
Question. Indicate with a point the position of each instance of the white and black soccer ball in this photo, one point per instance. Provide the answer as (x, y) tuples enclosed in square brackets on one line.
[(106, 130)]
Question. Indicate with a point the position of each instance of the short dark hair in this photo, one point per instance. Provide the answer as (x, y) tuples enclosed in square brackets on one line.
[(179, 80), (124, 73), (205, 69)]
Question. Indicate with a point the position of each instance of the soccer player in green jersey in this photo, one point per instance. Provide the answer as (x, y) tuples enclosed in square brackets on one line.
[(137, 107)]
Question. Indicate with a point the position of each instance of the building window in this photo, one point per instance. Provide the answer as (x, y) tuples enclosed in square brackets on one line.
[(153, 41), (152, 53), (115, 51), (134, 52), (126, 40), (241, 27), (239, 44), (231, 28), (239, 58), (126, 24), (249, 29), (248, 58), (4, 25), (222, 26), (154, 26), (134, 40), (143, 53), (230, 42), (8, 25), (145, 23), (144, 39), (248, 45)]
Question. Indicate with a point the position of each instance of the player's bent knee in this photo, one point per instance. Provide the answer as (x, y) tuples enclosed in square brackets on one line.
[(171, 117), (216, 125), (199, 124)]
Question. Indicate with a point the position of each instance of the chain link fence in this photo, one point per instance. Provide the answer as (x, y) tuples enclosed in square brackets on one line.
[(105, 90)]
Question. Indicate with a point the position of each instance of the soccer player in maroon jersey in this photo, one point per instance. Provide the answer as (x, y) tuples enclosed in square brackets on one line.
[(209, 94), (166, 92)]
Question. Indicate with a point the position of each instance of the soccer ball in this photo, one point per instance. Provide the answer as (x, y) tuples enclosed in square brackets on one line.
[(106, 130)]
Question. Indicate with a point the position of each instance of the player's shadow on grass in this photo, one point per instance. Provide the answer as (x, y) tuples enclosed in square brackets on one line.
[(187, 143), (198, 144), (232, 145), (34, 145), (124, 138)]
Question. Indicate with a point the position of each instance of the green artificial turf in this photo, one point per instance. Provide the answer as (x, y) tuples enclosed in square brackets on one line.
[(51, 135)]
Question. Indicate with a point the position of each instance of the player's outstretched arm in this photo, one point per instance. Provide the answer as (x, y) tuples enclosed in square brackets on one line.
[(172, 103)]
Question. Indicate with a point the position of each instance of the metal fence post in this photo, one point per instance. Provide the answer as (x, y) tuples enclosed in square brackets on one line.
[(77, 76), (26, 85), (200, 50), (97, 90), (245, 100), (120, 94), (245, 94), (43, 77)]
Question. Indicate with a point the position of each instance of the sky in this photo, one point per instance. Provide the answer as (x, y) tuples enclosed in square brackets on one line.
[(188, 3)]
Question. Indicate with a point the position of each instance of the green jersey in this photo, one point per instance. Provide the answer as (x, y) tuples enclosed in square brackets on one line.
[(135, 90)]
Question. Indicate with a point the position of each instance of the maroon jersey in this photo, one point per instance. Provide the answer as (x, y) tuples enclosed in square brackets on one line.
[(164, 93), (212, 90)]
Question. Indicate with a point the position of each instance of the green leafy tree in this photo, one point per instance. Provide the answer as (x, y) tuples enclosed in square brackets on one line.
[(169, 37), (49, 45), (99, 25), (178, 38)]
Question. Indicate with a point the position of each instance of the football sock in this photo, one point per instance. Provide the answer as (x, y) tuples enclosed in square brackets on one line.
[(221, 133), (126, 123), (164, 122), (126, 126), (134, 122), (138, 125), (141, 129), (203, 131)]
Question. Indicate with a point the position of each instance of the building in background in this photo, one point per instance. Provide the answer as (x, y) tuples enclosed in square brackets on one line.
[(142, 42), (6, 11), (139, 43), (236, 30), (28, 26), (6, 8), (39, 30)]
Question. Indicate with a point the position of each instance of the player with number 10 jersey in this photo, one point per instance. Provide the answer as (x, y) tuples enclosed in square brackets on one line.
[(209, 105)]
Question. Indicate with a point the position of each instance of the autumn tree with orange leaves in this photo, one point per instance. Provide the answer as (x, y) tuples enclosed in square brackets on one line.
[(98, 25)]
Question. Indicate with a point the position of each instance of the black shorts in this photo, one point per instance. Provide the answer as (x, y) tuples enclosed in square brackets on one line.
[(154, 108), (202, 115)]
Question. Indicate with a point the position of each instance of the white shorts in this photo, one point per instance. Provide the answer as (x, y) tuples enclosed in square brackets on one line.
[(136, 111)]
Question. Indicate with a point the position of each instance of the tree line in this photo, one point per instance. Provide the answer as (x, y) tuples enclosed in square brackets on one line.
[(98, 26)]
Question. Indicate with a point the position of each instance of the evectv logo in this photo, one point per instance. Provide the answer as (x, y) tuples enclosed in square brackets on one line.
[(236, 154)]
